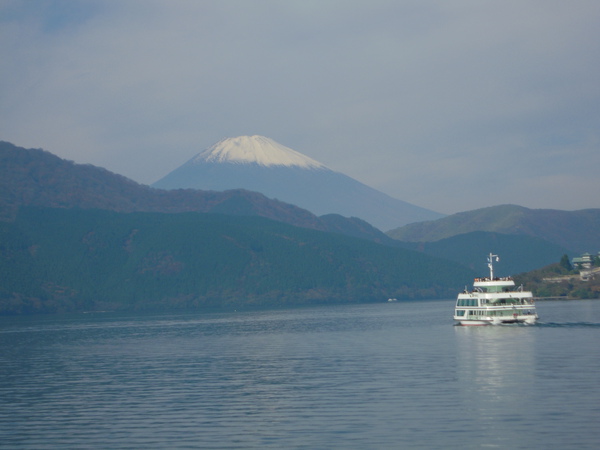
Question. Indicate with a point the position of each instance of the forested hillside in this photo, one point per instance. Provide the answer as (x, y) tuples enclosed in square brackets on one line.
[(73, 260), (518, 253), (558, 281)]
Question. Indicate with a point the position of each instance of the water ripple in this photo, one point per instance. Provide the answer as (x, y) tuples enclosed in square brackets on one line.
[(375, 376)]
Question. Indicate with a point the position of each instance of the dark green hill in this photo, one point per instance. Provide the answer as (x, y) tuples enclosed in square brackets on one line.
[(576, 231), (73, 260), (518, 253)]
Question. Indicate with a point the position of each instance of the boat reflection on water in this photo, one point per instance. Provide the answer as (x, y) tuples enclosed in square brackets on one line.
[(496, 372)]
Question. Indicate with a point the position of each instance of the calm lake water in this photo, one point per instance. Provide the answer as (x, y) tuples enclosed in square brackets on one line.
[(396, 375)]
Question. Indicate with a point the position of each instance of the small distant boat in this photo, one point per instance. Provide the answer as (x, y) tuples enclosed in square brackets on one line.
[(495, 301), (392, 299)]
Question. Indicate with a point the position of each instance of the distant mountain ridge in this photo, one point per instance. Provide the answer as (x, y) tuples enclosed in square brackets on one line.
[(576, 231), (39, 178), (34, 177), (262, 165)]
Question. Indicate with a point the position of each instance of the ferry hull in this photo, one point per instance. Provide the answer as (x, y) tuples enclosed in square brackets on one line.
[(528, 320)]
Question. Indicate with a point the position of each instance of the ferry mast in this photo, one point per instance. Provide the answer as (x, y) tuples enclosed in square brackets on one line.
[(491, 264)]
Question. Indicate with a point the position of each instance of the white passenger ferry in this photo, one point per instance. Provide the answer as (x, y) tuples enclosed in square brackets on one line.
[(494, 301)]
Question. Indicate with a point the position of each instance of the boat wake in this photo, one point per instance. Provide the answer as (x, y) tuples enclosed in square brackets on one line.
[(568, 325)]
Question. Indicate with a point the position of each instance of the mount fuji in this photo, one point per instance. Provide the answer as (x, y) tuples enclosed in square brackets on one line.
[(257, 163)]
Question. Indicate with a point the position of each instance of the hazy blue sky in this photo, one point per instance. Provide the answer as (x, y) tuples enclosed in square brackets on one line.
[(450, 105)]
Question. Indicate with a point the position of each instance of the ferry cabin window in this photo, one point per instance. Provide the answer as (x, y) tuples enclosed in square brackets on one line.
[(467, 302), (460, 312), (510, 301)]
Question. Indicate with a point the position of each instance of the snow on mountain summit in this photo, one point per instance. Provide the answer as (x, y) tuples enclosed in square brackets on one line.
[(255, 149)]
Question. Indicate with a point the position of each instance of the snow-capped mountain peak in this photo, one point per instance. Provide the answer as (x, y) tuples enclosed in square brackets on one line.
[(255, 149), (259, 164)]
